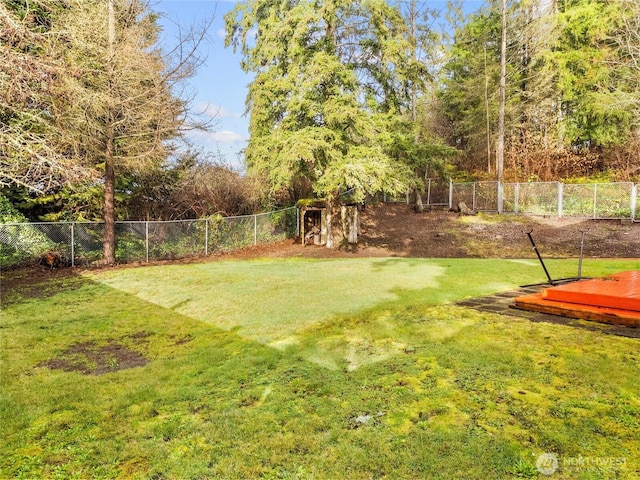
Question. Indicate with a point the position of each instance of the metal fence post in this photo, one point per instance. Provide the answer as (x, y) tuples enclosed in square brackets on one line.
[(146, 239), (297, 222), (595, 201), (515, 197), (73, 251), (559, 200), (473, 198), (255, 229), (206, 236), (634, 193), (450, 194)]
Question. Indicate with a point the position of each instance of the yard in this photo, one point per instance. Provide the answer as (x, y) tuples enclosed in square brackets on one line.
[(310, 369)]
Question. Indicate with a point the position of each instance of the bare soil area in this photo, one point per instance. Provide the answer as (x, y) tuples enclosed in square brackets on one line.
[(93, 359), (396, 230)]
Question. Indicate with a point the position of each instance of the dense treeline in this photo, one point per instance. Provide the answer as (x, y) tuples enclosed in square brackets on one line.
[(347, 96), (572, 89)]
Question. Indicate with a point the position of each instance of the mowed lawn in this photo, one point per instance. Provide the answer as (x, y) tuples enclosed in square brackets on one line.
[(311, 369)]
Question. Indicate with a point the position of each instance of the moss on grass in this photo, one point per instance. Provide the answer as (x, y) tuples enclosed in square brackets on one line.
[(394, 382)]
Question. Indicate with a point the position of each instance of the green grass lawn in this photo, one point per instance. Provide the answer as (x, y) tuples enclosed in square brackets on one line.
[(282, 369)]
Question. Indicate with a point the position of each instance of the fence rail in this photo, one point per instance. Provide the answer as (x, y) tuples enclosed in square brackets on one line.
[(80, 243)]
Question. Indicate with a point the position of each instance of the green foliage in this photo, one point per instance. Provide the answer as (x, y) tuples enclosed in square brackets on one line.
[(22, 243), (317, 112), (585, 60), (570, 85), (8, 213), (418, 151)]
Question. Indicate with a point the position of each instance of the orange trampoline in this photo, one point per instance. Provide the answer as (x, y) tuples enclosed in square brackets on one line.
[(614, 299)]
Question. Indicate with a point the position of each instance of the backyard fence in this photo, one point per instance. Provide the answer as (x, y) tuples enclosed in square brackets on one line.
[(597, 201), (80, 243)]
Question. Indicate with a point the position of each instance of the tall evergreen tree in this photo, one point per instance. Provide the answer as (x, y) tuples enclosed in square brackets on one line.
[(329, 76), (584, 57), (561, 79), (470, 87), (416, 141)]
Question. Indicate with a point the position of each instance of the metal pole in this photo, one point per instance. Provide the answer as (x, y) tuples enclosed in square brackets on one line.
[(206, 236), (560, 199), (634, 192), (255, 229), (535, 248), (582, 233), (473, 201), (73, 251), (146, 238)]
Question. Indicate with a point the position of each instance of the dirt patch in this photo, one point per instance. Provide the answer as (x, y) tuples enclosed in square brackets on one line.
[(395, 230), (91, 358), (35, 282)]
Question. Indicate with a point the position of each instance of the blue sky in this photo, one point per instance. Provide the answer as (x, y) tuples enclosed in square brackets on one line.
[(221, 85)]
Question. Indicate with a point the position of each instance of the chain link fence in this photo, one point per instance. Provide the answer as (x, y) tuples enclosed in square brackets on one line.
[(597, 201), (81, 243), (480, 196), (541, 198), (435, 194)]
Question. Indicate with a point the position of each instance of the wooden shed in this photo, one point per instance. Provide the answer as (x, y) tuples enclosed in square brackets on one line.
[(313, 221)]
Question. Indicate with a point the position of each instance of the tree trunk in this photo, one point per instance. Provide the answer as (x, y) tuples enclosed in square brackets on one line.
[(329, 205), (419, 206), (109, 239), (487, 111), (501, 115)]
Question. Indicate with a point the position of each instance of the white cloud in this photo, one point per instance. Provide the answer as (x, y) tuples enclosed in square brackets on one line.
[(227, 136), (216, 137)]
